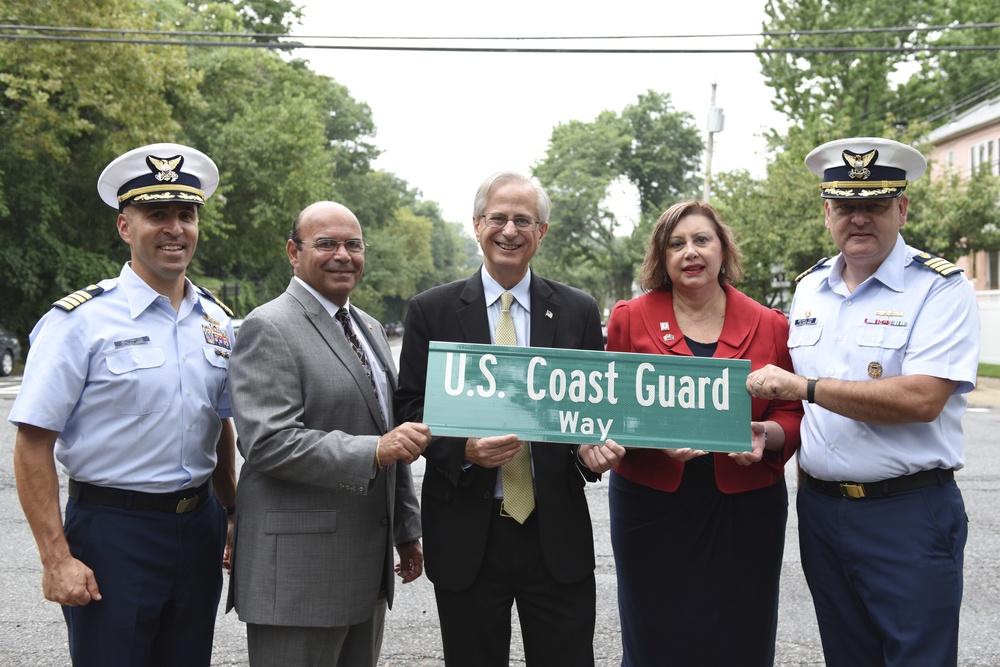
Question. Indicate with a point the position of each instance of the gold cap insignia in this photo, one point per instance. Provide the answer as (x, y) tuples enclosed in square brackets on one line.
[(859, 163), (163, 168)]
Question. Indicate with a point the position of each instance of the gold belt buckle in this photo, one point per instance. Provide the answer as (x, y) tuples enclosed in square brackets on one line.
[(185, 505), (852, 490)]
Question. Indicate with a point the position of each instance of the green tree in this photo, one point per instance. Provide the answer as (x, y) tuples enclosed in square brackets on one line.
[(662, 160), (829, 95), (66, 109), (268, 16), (395, 265), (952, 216), (837, 89), (650, 145), (282, 135), (952, 81)]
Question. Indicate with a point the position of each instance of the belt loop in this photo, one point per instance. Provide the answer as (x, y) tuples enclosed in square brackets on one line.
[(129, 500)]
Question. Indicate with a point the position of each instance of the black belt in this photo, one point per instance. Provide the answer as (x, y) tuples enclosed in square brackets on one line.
[(885, 487), (180, 502)]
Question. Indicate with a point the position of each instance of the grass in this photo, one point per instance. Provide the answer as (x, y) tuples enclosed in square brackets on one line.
[(989, 370)]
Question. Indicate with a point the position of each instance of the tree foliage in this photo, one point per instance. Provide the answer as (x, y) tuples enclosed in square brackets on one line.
[(778, 219), (282, 135), (65, 108), (650, 145)]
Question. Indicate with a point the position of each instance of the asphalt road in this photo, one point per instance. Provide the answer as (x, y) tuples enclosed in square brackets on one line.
[(32, 630)]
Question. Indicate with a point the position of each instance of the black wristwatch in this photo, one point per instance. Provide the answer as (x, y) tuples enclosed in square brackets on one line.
[(811, 389)]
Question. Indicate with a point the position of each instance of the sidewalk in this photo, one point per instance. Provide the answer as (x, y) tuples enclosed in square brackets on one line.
[(986, 394)]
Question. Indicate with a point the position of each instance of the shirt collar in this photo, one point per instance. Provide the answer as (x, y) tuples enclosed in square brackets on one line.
[(140, 296), (328, 305), (521, 291), (889, 272)]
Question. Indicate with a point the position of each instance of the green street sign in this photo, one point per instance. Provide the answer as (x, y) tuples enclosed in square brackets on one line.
[(586, 397)]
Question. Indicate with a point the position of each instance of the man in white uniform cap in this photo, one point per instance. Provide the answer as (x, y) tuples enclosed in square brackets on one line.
[(885, 343), (125, 386)]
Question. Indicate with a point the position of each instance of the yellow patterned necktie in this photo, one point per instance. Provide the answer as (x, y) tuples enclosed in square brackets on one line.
[(518, 491)]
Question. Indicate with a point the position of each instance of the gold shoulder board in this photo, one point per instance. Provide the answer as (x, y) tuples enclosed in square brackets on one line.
[(811, 269), (77, 298), (935, 263), (215, 299)]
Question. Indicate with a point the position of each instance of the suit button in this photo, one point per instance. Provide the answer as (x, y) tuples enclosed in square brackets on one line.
[(487, 495), (384, 522)]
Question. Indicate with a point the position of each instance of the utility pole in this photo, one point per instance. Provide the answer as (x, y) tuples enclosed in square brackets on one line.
[(716, 123)]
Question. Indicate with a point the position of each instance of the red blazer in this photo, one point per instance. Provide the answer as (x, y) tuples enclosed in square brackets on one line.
[(750, 331)]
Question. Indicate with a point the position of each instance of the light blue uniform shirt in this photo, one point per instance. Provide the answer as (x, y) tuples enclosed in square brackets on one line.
[(906, 319), (135, 389)]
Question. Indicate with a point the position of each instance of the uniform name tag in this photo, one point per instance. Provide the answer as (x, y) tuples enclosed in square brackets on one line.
[(142, 340)]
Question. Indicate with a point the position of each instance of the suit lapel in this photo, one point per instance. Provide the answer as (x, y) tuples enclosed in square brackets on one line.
[(333, 334), (472, 313), (544, 313), (476, 324)]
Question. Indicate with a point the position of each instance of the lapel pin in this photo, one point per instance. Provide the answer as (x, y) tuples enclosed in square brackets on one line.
[(668, 338), (664, 326), (548, 314)]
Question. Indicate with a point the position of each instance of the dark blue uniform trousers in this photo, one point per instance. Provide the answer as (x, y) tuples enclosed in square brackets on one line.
[(885, 574), (160, 578)]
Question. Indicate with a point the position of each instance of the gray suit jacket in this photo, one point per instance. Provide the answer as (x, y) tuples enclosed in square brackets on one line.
[(315, 530)]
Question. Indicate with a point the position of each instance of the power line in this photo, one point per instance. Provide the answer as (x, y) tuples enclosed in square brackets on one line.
[(506, 49), (275, 36), (982, 93)]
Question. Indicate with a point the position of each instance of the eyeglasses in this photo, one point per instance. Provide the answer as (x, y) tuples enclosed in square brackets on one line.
[(498, 220), (845, 209), (330, 246)]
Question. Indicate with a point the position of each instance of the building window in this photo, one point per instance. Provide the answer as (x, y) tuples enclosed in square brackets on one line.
[(980, 154)]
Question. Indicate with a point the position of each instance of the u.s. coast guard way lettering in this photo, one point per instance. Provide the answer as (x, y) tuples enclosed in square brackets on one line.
[(586, 397)]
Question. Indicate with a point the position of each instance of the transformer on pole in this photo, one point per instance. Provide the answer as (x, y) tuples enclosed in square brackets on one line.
[(716, 123)]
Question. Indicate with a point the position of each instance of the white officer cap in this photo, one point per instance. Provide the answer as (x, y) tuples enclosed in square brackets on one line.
[(865, 168), (158, 173)]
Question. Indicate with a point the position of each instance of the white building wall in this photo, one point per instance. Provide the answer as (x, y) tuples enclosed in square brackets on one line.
[(989, 319)]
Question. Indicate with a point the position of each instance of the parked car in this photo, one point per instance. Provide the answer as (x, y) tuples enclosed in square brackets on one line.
[(394, 329), (236, 321), (10, 351)]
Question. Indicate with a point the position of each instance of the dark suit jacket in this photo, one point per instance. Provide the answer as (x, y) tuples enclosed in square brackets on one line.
[(750, 331), (457, 504), (315, 531)]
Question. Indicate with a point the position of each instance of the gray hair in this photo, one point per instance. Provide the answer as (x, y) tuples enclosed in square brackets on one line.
[(544, 204)]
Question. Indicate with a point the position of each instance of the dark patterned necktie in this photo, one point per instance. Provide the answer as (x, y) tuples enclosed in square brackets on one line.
[(344, 318)]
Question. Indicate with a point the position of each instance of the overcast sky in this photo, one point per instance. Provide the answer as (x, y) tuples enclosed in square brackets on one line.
[(446, 121)]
